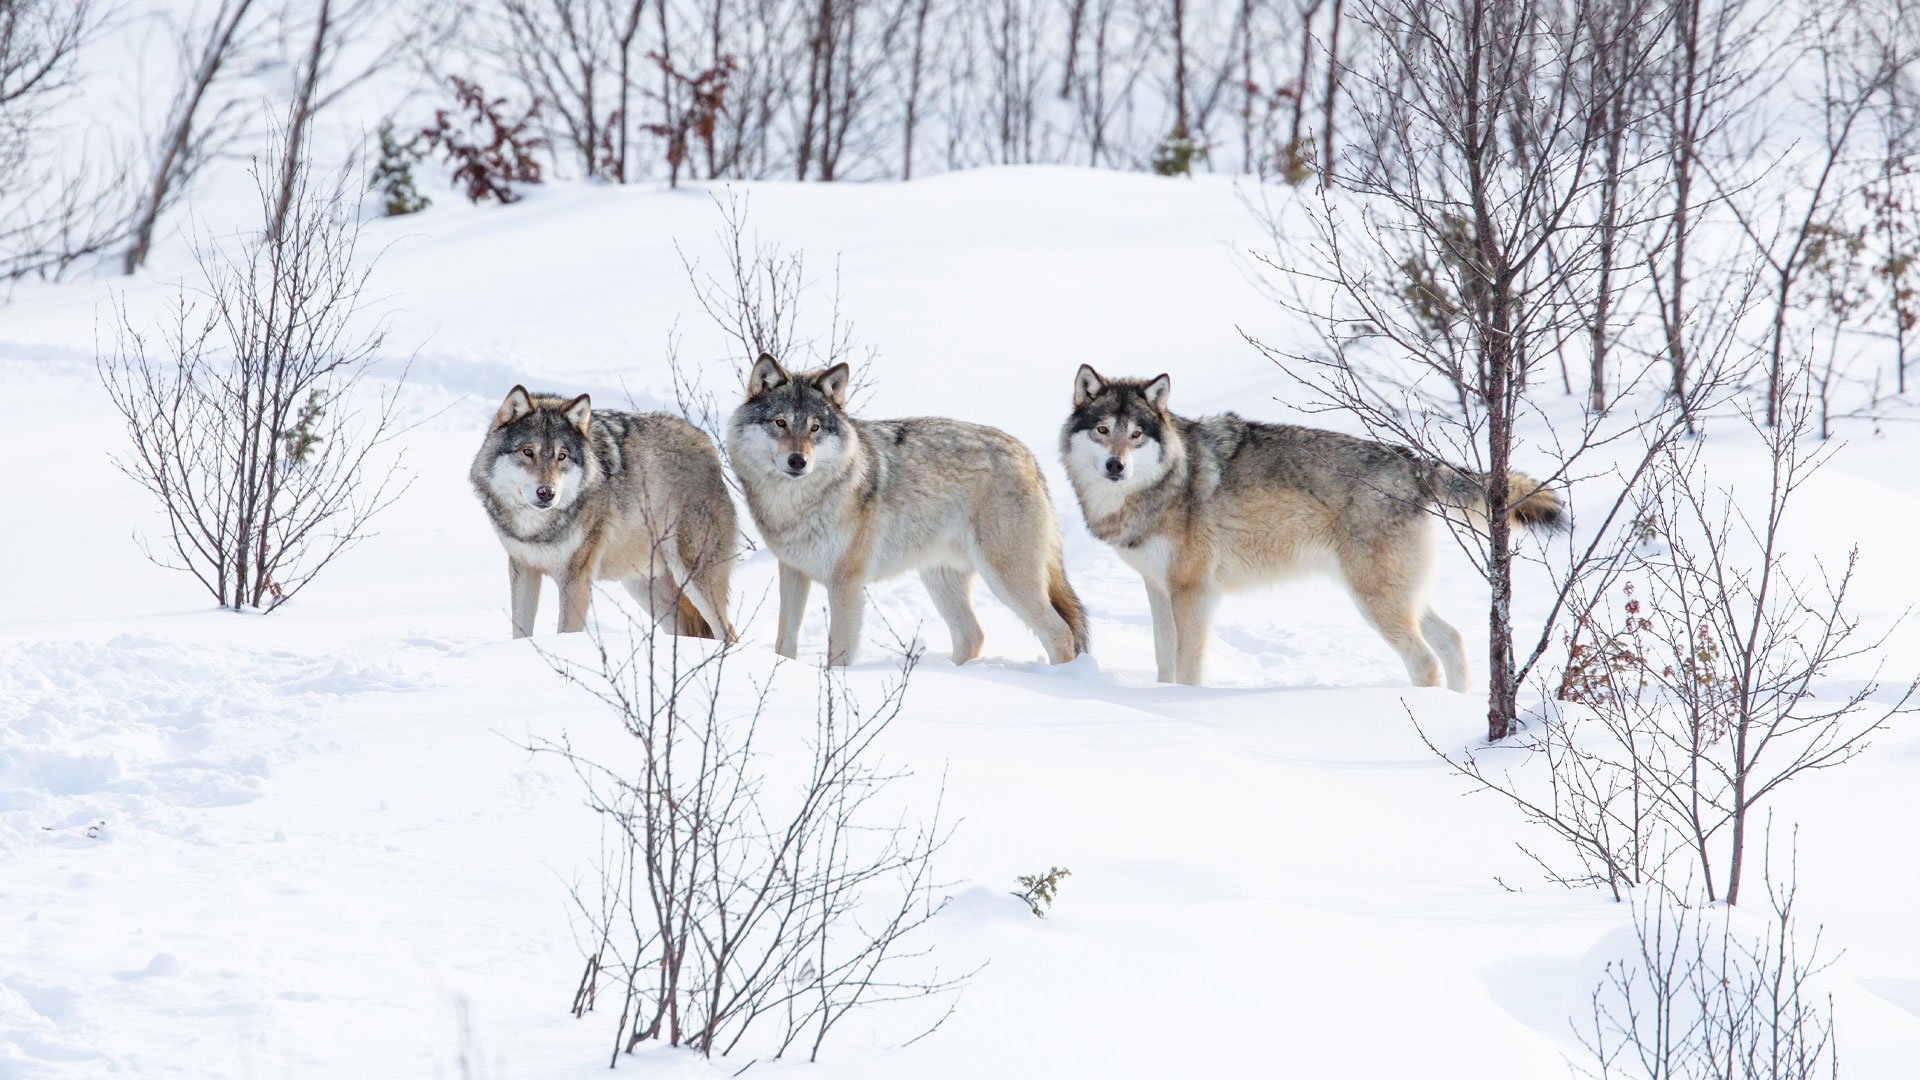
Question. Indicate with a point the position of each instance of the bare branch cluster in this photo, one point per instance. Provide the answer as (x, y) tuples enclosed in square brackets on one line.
[(1702, 997), (729, 915)]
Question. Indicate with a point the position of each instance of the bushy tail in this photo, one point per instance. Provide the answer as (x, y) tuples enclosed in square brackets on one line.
[(692, 623), (1530, 504), (1067, 602)]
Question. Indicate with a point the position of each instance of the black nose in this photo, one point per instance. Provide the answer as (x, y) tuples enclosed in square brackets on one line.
[(543, 494), (1115, 466), (796, 462)]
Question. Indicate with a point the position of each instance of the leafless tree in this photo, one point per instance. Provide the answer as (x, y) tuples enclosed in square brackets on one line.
[(190, 138), (1781, 221), (726, 915), (250, 415), (577, 58), (1470, 257), (1704, 687), (1699, 89), (53, 212)]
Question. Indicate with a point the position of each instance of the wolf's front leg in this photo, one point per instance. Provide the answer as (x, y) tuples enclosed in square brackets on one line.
[(1192, 625), (576, 594), (1164, 637), (523, 595), (846, 606), (794, 587)]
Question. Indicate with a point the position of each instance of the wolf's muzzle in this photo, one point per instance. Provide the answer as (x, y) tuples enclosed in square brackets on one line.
[(1116, 468), (543, 496), (796, 463)]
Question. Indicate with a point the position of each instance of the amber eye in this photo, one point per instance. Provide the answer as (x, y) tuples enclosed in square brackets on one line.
[(780, 423), (561, 455), (813, 427), (527, 452), (1138, 435), (1104, 429)]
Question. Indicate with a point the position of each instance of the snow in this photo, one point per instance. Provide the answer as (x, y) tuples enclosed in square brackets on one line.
[(308, 844)]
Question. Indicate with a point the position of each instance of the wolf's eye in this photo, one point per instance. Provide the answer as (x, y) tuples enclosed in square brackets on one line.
[(527, 452), (1138, 436), (813, 426), (780, 423), (1104, 429), (561, 455)]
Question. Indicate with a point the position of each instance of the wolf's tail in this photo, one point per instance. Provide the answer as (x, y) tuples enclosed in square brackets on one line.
[(1530, 505), (1067, 602), (692, 623)]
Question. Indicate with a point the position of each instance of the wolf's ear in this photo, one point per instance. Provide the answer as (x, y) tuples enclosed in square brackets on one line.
[(1087, 385), (767, 374), (833, 383), (579, 412), (518, 404), (1156, 391)]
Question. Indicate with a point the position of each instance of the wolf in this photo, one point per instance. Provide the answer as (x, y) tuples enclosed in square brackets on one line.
[(582, 496), (1202, 507), (845, 501)]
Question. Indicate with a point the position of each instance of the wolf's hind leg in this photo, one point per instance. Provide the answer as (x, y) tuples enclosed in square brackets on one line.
[(1446, 641), (657, 596), (706, 590), (952, 592), (523, 595), (1394, 617), (1026, 594)]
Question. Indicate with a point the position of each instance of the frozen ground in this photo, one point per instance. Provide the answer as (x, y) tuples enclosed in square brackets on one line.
[(299, 845)]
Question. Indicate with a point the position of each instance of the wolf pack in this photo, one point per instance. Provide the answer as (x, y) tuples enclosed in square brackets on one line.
[(1199, 507)]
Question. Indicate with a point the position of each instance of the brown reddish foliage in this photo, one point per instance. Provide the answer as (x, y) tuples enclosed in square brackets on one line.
[(489, 153)]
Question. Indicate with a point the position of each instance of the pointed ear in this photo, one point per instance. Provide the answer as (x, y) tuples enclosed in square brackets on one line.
[(833, 383), (579, 412), (1156, 392), (1087, 385), (767, 374), (518, 404)]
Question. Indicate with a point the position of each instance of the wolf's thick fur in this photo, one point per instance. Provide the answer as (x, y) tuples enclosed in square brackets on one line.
[(1201, 507), (845, 501), (580, 496)]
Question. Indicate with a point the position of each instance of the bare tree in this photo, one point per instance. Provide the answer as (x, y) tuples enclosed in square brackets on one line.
[(189, 139), (249, 415), (52, 214), (1469, 257), (1782, 223), (1705, 688), (726, 916)]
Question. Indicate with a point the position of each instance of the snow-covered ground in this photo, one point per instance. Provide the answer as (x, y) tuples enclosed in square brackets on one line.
[(305, 844)]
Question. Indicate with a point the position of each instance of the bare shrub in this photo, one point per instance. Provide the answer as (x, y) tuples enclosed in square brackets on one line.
[(730, 912), (1703, 997), (248, 415)]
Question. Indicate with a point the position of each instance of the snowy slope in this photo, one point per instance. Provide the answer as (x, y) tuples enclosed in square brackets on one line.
[(299, 845)]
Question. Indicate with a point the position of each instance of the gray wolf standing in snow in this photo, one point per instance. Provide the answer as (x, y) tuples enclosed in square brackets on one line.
[(584, 496), (1201, 507), (845, 501)]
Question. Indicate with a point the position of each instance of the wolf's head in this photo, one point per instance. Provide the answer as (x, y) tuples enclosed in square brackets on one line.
[(1118, 431), (539, 451), (791, 424)]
